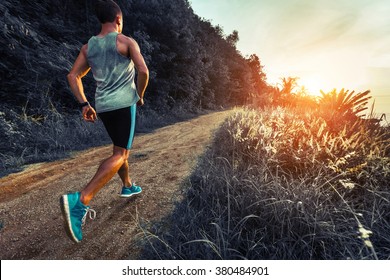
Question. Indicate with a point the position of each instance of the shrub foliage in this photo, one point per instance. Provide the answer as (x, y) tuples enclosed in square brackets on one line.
[(278, 184)]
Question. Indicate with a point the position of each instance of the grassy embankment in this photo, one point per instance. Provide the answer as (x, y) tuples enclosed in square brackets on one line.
[(284, 184)]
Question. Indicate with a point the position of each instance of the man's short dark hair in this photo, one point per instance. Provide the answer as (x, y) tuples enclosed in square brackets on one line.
[(106, 10)]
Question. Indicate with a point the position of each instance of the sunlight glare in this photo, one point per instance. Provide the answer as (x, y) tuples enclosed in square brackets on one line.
[(314, 84)]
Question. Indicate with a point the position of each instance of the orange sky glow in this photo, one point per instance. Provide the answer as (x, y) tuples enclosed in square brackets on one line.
[(326, 43)]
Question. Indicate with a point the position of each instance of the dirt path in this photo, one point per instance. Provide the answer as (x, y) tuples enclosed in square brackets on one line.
[(31, 225)]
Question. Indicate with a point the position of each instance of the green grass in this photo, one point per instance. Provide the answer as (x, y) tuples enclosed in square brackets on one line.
[(279, 184)]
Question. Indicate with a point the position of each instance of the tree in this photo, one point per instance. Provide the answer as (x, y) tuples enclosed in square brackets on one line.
[(258, 76), (283, 93), (233, 38)]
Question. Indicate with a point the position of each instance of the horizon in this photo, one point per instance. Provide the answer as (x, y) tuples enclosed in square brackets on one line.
[(340, 44)]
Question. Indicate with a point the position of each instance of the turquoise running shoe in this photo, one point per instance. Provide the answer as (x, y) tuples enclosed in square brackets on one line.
[(129, 191), (75, 214)]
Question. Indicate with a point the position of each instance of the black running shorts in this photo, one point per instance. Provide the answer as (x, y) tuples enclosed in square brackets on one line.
[(120, 125)]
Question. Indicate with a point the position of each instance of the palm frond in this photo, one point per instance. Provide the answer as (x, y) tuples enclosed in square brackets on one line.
[(345, 102)]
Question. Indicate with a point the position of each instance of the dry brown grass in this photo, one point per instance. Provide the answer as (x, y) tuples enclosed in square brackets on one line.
[(278, 184)]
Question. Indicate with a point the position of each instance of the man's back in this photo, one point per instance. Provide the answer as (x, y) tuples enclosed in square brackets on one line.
[(114, 74)]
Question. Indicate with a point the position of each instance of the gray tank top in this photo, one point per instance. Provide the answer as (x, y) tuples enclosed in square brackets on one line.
[(113, 72)]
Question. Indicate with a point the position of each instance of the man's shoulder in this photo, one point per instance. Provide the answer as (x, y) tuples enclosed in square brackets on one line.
[(84, 49), (125, 39)]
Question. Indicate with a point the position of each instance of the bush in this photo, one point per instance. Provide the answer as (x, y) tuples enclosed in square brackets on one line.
[(278, 185)]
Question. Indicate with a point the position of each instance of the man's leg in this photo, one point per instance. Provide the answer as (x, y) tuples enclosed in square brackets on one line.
[(123, 172), (75, 207), (128, 188), (107, 169)]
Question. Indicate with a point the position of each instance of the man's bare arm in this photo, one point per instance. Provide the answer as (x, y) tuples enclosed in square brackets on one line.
[(142, 69), (79, 70)]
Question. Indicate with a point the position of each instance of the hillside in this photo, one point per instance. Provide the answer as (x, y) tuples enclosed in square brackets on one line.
[(194, 66)]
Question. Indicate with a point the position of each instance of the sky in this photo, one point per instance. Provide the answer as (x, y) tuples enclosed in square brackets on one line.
[(326, 43)]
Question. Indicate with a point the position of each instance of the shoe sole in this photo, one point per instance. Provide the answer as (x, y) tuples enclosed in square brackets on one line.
[(66, 214), (129, 195)]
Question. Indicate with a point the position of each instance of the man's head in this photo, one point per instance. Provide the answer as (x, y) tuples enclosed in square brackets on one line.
[(107, 11)]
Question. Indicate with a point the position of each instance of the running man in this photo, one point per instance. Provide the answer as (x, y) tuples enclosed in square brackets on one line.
[(113, 58)]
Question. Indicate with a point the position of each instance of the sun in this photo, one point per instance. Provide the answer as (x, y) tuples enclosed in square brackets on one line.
[(314, 84)]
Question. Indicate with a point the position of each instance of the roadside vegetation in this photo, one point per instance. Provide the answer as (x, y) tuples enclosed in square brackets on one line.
[(287, 183)]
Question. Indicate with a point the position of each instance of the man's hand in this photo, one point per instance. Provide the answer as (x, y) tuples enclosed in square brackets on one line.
[(140, 102), (89, 114)]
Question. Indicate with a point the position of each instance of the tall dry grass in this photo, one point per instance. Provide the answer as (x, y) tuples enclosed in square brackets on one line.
[(280, 184), (44, 137)]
